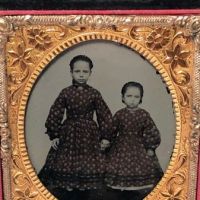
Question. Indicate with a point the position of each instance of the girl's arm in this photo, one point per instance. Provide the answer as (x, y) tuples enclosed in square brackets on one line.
[(104, 117), (115, 128), (55, 117), (151, 135)]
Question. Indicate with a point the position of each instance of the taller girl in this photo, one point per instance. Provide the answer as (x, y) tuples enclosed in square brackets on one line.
[(75, 160)]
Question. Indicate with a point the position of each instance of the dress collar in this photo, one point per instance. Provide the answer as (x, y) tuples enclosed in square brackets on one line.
[(79, 85), (132, 110)]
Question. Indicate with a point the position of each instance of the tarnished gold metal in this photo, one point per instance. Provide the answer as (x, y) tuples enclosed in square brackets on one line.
[(170, 43)]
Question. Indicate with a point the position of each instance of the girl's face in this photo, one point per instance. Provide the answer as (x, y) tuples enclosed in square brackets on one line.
[(132, 97), (81, 71)]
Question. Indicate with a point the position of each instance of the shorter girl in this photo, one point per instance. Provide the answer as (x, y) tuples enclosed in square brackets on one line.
[(133, 165)]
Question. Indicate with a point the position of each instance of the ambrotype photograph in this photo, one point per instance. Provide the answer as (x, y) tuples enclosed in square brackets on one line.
[(104, 127)]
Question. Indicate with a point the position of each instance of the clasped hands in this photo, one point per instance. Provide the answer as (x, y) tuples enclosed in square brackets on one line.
[(103, 144)]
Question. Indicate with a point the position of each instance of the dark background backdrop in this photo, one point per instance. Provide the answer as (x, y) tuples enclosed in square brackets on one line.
[(97, 4)]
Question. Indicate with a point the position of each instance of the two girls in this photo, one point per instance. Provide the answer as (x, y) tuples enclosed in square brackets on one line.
[(75, 163)]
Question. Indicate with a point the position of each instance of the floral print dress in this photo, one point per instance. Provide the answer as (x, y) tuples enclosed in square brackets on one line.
[(128, 162), (78, 162)]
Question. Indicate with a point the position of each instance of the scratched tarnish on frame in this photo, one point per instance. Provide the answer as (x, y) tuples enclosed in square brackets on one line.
[(170, 43)]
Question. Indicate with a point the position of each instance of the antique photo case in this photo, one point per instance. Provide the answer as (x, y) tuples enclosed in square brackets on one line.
[(161, 53)]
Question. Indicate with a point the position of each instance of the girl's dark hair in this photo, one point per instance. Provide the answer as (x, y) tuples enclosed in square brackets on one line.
[(80, 57), (132, 84)]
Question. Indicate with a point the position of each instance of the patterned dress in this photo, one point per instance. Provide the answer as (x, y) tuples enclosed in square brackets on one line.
[(128, 162), (78, 161)]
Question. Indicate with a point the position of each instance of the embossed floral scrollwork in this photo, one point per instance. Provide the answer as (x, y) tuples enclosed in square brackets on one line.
[(184, 98), (3, 108), (191, 25), (5, 26), (181, 160), (158, 38), (18, 71), (134, 33), (20, 179), (172, 194), (155, 38), (99, 21), (177, 57), (17, 77), (180, 77), (5, 140), (4, 145), (39, 39), (16, 161), (174, 187), (5, 31), (16, 21), (26, 195), (196, 117), (21, 57), (195, 135)]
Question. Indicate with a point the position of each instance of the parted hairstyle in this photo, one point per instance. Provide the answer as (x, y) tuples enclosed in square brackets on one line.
[(82, 58), (132, 84)]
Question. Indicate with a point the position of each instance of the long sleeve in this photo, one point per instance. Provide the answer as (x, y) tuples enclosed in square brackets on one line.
[(115, 128), (55, 117), (104, 117), (151, 135)]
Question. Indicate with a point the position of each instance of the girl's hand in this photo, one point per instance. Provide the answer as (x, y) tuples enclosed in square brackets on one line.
[(55, 143), (104, 144), (150, 152)]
